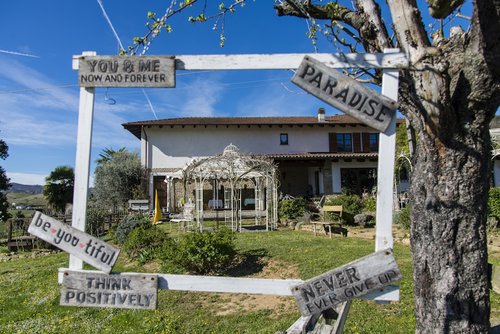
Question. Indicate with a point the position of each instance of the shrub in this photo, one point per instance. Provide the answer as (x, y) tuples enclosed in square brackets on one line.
[(201, 253), (290, 209), (369, 204), (95, 221), (130, 223), (494, 202), (351, 205), (403, 218), (144, 243)]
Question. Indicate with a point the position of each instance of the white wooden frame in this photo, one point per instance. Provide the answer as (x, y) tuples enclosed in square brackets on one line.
[(389, 61)]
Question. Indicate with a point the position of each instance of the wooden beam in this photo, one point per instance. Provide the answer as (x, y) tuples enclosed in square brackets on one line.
[(82, 163), (286, 61), (260, 286), (385, 169)]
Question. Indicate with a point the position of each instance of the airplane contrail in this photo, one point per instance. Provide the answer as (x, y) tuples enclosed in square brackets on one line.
[(18, 53)]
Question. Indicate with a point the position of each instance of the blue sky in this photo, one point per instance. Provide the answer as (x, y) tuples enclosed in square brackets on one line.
[(39, 94)]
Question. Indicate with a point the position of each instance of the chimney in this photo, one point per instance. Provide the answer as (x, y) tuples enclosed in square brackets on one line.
[(321, 115)]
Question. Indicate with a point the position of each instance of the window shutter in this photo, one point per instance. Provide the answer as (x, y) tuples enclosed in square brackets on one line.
[(356, 140), (333, 142), (366, 141)]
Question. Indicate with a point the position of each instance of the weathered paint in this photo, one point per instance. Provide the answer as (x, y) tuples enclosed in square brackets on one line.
[(126, 71), (80, 244), (345, 94), (350, 281), (130, 291)]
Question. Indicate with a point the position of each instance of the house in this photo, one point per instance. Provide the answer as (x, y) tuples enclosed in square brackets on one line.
[(314, 155), (495, 139)]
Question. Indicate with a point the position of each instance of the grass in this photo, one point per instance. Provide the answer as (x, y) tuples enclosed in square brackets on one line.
[(29, 293)]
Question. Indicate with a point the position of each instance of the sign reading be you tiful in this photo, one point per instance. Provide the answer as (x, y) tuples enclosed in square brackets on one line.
[(82, 245)]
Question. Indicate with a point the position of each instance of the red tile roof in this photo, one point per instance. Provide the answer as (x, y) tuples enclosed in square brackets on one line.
[(314, 156), (135, 127)]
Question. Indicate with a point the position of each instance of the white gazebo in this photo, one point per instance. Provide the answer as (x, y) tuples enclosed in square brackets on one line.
[(228, 174)]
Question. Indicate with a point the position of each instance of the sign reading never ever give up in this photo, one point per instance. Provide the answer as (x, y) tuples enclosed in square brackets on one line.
[(350, 281), (345, 94), (82, 245)]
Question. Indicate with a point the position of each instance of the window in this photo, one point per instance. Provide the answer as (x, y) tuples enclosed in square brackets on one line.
[(284, 139), (344, 142), (373, 142)]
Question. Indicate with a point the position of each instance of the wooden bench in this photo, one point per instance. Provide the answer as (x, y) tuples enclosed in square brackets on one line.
[(333, 226)]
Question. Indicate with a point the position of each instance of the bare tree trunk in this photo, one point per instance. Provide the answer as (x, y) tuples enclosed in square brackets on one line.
[(449, 194), (449, 94)]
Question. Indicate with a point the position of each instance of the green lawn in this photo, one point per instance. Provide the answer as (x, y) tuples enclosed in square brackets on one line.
[(29, 293)]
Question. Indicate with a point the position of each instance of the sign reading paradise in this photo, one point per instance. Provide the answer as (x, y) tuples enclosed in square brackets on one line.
[(352, 280), (82, 245), (126, 71), (344, 93), (93, 289)]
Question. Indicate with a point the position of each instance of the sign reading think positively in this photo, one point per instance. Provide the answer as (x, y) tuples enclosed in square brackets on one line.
[(126, 71), (353, 280), (344, 93), (82, 245), (131, 290)]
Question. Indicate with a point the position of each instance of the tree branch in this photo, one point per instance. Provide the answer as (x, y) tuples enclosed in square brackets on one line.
[(410, 30), (381, 36), (366, 20)]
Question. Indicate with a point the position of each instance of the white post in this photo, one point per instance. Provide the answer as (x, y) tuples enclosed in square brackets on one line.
[(82, 164), (385, 170)]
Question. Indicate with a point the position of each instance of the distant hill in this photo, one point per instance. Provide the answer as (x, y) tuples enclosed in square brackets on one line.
[(24, 188)]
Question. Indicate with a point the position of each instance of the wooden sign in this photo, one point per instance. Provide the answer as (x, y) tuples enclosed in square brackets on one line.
[(344, 93), (353, 280), (80, 244), (126, 71), (85, 288)]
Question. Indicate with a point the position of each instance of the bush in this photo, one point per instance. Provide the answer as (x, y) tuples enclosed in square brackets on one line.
[(130, 223), (494, 202), (201, 253), (95, 221), (403, 217), (351, 205), (145, 242), (291, 209), (369, 204)]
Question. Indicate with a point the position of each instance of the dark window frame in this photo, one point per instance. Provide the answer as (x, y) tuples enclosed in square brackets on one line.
[(283, 138), (344, 142), (373, 141)]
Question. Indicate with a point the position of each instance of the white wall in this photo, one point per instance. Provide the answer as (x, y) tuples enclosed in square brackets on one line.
[(173, 147), (496, 172)]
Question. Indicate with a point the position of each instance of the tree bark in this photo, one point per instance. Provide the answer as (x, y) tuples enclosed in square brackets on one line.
[(450, 98), (450, 94)]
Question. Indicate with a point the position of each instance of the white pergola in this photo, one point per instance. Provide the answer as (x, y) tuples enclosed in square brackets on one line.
[(235, 170)]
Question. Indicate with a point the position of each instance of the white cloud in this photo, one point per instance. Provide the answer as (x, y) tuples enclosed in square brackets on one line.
[(28, 179), (276, 100), (196, 97)]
